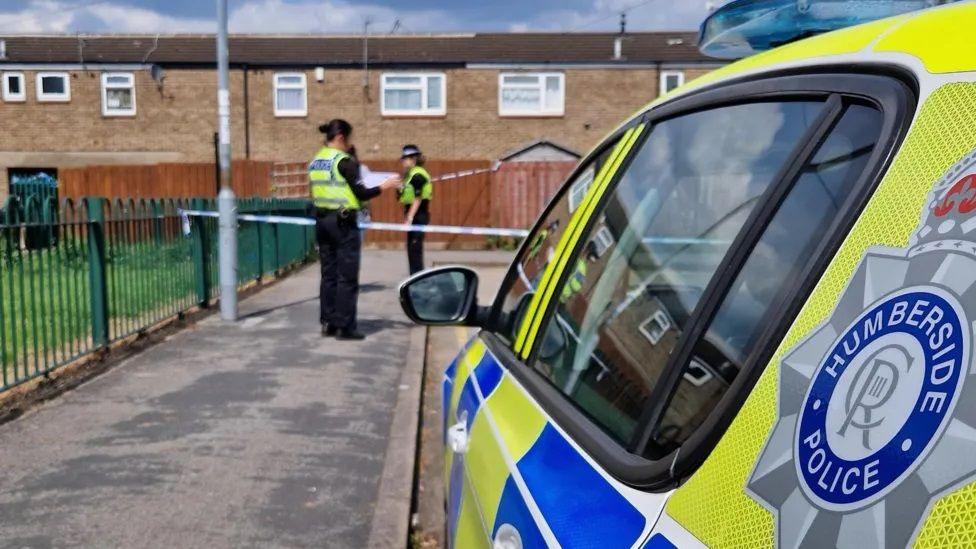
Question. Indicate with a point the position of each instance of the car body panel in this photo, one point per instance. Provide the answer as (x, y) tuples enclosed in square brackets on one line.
[(875, 42), (943, 134), (573, 502), (546, 488)]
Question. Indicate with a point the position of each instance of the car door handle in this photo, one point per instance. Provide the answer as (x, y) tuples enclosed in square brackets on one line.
[(457, 437)]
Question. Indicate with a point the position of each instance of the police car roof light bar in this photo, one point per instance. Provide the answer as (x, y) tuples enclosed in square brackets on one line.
[(745, 27)]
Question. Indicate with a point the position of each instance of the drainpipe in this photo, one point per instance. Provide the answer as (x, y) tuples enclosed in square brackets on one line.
[(247, 115)]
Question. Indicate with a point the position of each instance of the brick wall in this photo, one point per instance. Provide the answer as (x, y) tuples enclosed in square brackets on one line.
[(178, 118), (597, 100), (175, 122)]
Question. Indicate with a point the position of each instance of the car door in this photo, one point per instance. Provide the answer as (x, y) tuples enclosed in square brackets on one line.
[(486, 501), (627, 331)]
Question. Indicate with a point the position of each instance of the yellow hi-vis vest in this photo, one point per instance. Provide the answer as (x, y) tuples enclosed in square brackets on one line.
[(330, 190), (575, 282), (408, 194)]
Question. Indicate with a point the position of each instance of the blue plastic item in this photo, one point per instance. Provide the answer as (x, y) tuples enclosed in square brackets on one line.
[(744, 27)]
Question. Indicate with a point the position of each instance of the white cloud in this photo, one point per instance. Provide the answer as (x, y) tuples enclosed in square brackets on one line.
[(39, 16), (117, 18), (332, 17), (251, 16), (604, 15), (54, 16)]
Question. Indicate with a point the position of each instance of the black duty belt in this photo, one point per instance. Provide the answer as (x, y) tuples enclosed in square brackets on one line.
[(343, 213)]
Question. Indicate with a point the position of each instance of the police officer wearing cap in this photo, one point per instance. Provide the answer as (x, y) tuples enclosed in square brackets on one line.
[(415, 195), (338, 194)]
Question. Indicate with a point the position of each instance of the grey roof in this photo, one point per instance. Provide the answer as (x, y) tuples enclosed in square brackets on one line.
[(553, 48)]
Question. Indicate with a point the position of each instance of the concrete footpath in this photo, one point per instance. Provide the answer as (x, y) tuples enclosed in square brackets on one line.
[(261, 433)]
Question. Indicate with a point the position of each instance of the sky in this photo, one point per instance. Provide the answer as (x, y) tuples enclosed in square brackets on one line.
[(339, 16)]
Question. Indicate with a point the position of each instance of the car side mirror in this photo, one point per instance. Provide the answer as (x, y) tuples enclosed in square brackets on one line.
[(443, 296)]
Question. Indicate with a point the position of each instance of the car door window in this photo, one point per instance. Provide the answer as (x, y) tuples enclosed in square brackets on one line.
[(540, 248), (816, 199), (658, 242)]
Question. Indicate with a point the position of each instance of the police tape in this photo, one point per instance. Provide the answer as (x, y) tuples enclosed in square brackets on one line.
[(369, 225), (467, 173)]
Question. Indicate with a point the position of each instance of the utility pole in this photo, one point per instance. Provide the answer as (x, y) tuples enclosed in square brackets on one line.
[(226, 201)]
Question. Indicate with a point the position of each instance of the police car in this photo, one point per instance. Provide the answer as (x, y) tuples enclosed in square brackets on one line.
[(748, 318)]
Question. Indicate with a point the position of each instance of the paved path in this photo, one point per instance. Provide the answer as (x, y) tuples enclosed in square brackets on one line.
[(256, 434)]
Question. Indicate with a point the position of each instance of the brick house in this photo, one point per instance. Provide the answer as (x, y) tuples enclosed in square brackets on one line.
[(80, 100)]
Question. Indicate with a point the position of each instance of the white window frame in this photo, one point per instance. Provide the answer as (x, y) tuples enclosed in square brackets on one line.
[(663, 80), (19, 97), (106, 111), (53, 97), (704, 376), (541, 86), (656, 326), (602, 241), (579, 188), (425, 109), (290, 113)]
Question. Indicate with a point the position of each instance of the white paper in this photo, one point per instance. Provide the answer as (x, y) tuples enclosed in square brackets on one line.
[(372, 179)]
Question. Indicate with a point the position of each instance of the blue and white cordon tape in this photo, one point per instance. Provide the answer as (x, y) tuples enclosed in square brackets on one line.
[(401, 227)]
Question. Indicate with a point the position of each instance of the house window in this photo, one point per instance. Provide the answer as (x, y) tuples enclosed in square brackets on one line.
[(290, 94), (671, 80), (531, 94), (417, 94), (655, 327), (53, 87), (13, 87), (118, 94), (577, 191), (602, 241)]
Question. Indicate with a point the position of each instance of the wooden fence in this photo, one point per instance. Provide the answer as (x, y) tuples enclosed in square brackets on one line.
[(250, 179), (511, 197), (522, 190)]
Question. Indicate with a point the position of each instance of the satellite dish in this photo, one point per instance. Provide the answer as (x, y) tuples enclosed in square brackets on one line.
[(157, 73)]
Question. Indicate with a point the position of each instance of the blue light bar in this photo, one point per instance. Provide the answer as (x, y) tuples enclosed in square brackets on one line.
[(744, 27)]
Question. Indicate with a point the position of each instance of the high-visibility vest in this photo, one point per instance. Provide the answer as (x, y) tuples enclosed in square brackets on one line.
[(575, 282), (330, 190), (408, 194), (536, 245)]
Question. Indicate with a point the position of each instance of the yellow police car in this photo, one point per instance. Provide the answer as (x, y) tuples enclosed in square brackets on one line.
[(746, 320)]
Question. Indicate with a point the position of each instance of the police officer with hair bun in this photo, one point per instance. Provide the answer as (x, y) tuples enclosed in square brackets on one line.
[(338, 194), (415, 195)]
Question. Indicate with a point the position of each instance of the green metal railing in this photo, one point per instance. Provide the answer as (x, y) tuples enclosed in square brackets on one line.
[(78, 277)]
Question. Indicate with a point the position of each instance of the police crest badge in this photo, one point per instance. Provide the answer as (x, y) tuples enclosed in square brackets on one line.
[(869, 434)]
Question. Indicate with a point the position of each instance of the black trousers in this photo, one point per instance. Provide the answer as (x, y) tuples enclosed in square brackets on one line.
[(340, 251), (415, 244)]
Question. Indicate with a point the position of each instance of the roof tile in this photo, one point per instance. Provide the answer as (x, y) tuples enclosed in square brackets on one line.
[(564, 48)]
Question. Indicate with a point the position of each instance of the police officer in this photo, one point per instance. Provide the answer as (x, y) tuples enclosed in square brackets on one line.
[(337, 196), (415, 195)]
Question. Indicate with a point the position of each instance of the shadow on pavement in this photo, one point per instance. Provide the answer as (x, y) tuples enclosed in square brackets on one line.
[(370, 326), (265, 312), (372, 287)]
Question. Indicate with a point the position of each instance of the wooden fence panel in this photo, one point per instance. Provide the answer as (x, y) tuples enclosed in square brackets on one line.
[(465, 201), (170, 180), (512, 197), (524, 188)]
